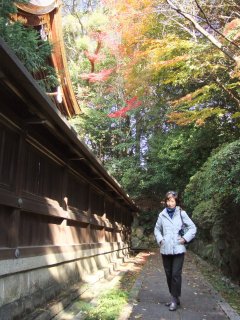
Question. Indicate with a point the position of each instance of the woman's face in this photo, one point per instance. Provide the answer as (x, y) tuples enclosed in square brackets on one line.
[(171, 202)]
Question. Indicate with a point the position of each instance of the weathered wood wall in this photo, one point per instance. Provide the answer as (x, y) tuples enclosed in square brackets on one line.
[(63, 217), (45, 201)]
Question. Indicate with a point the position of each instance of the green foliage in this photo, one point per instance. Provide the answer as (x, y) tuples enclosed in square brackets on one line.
[(147, 219), (176, 155), (217, 181), (97, 21), (205, 214), (230, 174), (27, 45), (102, 136), (8, 7), (213, 196), (129, 174), (92, 126)]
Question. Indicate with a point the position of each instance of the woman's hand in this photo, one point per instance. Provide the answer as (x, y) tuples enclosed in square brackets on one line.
[(182, 241)]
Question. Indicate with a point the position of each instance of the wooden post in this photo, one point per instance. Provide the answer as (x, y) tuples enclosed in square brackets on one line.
[(64, 199), (20, 165), (13, 233), (89, 212)]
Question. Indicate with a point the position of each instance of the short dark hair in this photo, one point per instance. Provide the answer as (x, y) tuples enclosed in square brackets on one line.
[(172, 194)]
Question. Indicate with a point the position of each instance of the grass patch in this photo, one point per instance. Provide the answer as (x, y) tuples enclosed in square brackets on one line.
[(85, 307), (108, 307)]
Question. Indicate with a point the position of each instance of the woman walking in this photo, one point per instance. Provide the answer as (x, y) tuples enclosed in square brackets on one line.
[(173, 230)]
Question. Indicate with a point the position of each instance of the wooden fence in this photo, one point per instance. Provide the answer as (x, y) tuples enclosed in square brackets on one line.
[(48, 202), (62, 216)]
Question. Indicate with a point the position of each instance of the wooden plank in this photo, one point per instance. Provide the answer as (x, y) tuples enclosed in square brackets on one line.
[(20, 165), (43, 207), (13, 231), (32, 203), (32, 251), (25, 252), (8, 198)]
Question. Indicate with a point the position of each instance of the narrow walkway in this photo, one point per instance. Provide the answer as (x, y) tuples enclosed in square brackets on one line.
[(148, 295), (198, 302)]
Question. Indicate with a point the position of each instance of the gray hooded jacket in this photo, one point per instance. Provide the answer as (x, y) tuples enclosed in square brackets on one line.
[(167, 231)]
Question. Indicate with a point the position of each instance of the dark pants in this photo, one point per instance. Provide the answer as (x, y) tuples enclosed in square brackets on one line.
[(173, 265)]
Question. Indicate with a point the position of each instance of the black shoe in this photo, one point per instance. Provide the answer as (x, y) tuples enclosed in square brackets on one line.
[(173, 306), (167, 304)]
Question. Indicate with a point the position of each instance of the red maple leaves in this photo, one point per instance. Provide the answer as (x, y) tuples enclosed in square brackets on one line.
[(103, 75), (94, 57), (133, 103)]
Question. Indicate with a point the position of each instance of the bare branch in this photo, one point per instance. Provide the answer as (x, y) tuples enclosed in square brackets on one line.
[(77, 15), (206, 34), (210, 25), (182, 26)]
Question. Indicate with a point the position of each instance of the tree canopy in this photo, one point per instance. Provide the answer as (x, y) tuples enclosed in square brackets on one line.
[(157, 79)]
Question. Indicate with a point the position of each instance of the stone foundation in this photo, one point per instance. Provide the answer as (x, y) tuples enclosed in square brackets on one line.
[(28, 283)]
